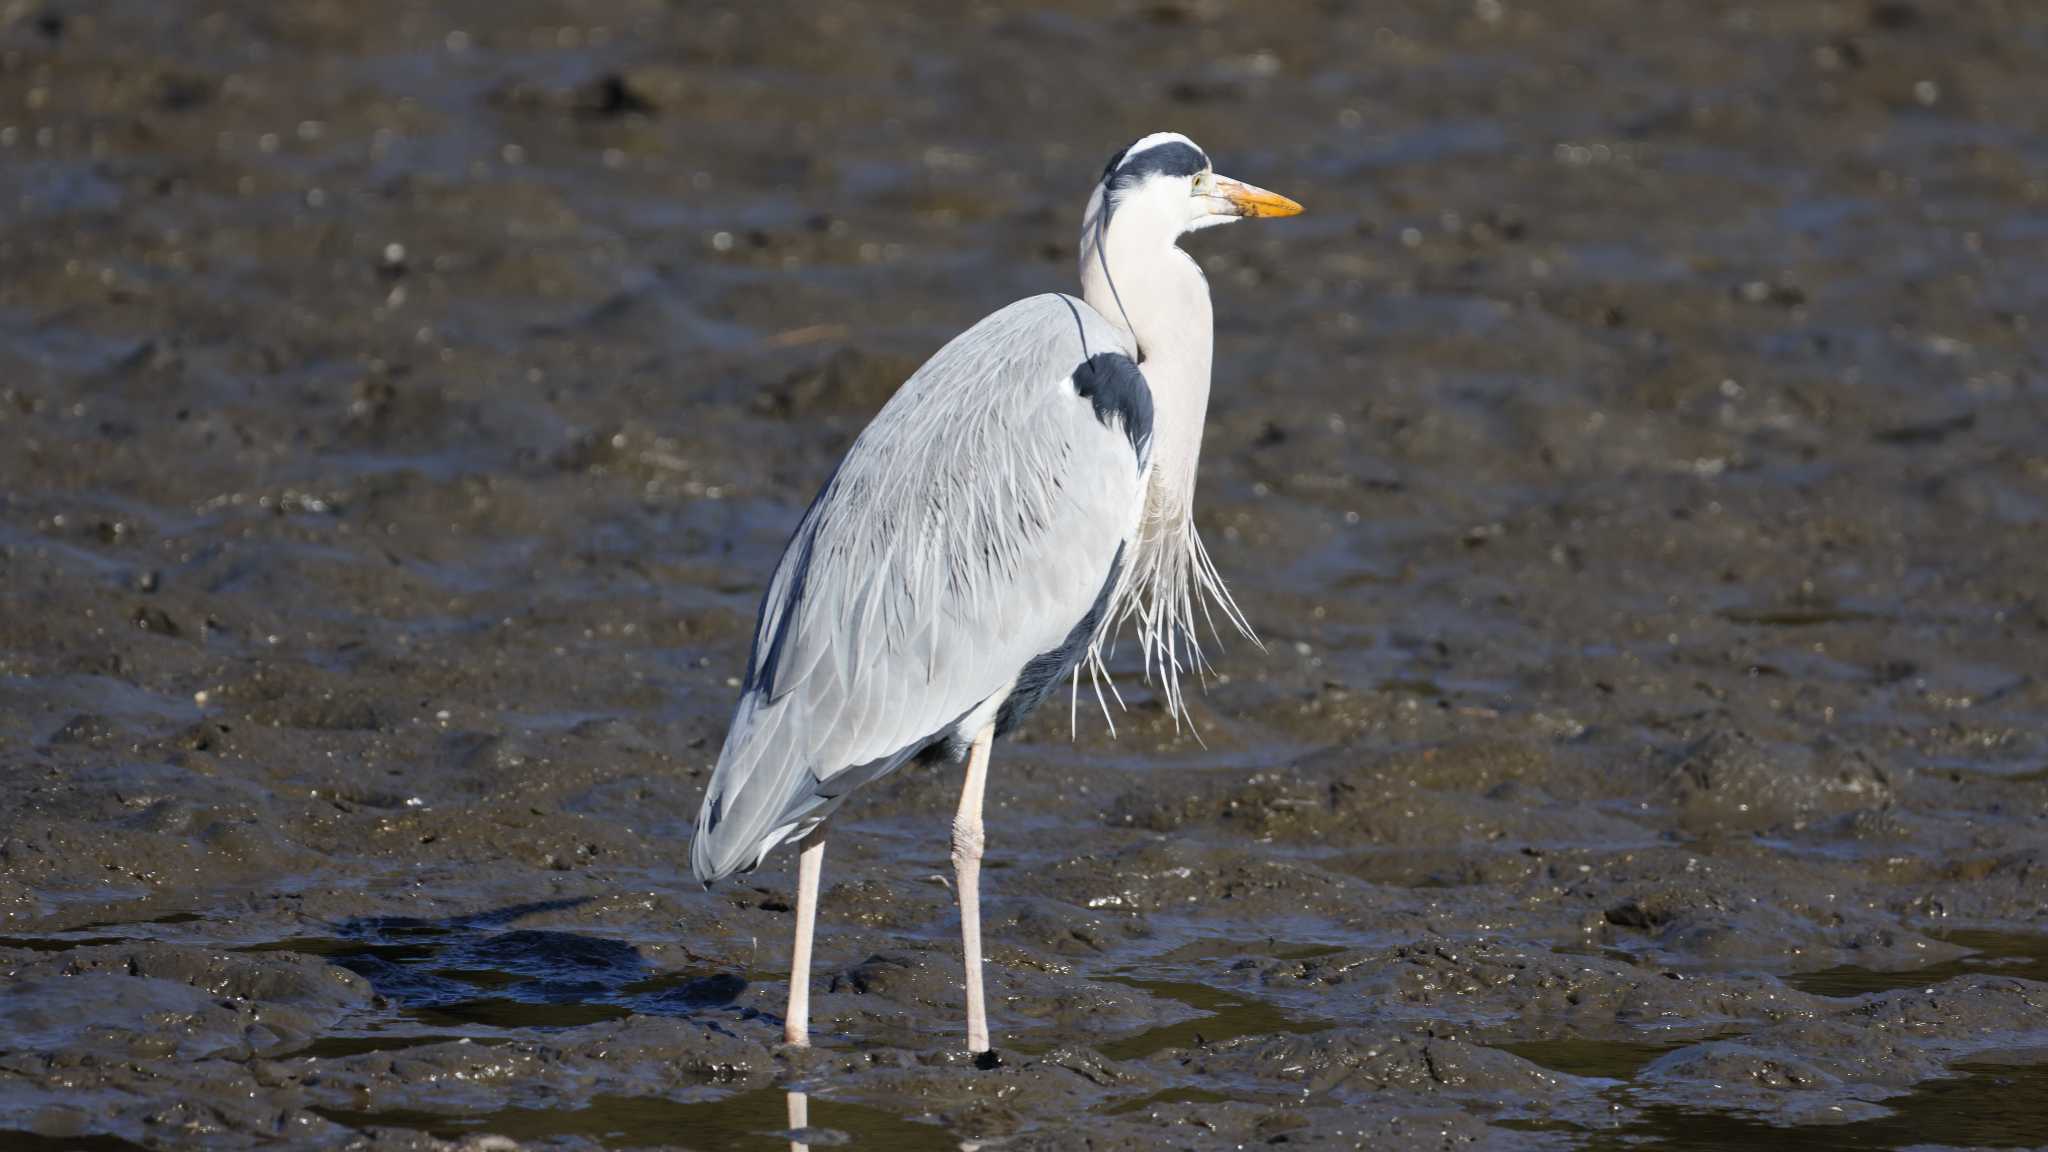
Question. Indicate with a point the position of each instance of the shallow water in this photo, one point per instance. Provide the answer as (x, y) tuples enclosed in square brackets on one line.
[(1981, 1106), (1995, 953), (1224, 1017), (1632, 462)]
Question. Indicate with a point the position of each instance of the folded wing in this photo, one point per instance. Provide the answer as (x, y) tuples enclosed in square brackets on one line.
[(972, 529)]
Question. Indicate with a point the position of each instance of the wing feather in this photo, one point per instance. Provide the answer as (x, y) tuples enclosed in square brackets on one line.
[(971, 526)]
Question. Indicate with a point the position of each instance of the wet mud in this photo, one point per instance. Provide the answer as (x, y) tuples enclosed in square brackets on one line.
[(1634, 463)]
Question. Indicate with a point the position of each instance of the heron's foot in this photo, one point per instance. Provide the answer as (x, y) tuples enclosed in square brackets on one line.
[(987, 1061)]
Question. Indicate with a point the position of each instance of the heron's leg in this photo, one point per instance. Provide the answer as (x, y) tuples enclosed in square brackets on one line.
[(967, 845), (799, 1118), (796, 1023)]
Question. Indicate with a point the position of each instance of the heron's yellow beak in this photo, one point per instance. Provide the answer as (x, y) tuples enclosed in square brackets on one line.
[(1249, 200)]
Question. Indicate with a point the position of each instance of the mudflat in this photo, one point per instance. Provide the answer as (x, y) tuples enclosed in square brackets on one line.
[(1635, 463)]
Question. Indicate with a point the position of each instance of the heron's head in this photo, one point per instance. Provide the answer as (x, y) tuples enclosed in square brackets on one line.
[(1164, 185)]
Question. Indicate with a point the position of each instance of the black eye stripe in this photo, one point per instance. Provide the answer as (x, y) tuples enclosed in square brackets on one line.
[(1170, 159), (1173, 158), (1109, 169)]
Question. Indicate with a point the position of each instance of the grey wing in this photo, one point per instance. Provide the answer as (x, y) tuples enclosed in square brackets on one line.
[(970, 531)]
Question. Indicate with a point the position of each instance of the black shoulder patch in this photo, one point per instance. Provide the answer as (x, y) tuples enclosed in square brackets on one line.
[(1113, 383)]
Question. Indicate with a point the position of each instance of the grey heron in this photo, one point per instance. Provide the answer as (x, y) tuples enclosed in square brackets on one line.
[(1023, 494)]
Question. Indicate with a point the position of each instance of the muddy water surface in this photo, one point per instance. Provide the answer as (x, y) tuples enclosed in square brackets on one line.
[(1634, 463)]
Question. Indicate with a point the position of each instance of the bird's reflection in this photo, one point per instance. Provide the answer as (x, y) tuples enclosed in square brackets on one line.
[(799, 1119), (800, 1123)]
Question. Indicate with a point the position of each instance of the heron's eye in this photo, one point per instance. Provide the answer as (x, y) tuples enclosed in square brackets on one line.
[(1205, 184)]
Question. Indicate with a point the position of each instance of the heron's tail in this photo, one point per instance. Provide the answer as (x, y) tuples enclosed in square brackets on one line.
[(758, 797)]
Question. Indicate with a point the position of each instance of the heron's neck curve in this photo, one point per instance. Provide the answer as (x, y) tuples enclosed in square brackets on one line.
[(1152, 290), (1145, 285)]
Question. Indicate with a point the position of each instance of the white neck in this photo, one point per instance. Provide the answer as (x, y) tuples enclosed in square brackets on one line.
[(1141, 281), (1135, 275)]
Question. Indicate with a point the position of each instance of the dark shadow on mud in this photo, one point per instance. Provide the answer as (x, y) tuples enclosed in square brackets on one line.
[(473, 971), (755, 1119)]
